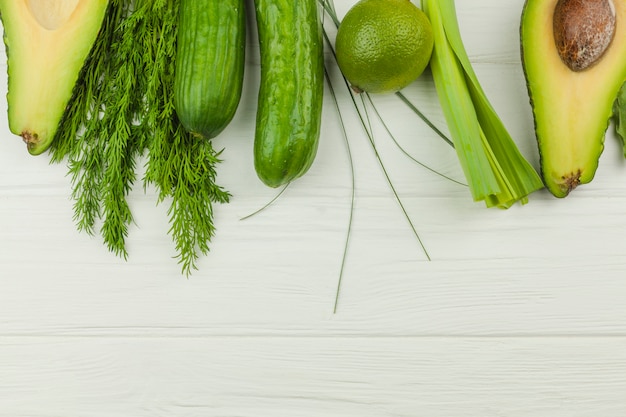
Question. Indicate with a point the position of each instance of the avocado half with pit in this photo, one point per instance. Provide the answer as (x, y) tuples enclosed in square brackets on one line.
[(574, 60), (47, 43)]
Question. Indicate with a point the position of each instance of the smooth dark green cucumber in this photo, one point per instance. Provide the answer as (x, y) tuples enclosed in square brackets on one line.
[(210, 64), (291, 89)]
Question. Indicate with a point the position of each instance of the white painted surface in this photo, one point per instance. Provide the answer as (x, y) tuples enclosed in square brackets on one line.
[(520, 312)]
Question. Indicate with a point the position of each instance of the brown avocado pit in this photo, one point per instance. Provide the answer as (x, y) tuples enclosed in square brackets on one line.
[(583, 31)]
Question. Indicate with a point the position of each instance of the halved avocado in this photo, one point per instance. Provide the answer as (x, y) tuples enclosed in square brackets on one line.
[(574, 60), (47, 42)]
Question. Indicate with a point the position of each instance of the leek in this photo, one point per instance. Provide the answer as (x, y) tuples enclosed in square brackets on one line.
[(496, 171)]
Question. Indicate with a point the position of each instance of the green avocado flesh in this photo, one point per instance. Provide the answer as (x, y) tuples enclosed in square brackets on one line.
[(47, 42), (572, 86)]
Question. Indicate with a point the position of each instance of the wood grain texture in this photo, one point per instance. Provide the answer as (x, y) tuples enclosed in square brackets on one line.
[(290, 376), (518, 313)]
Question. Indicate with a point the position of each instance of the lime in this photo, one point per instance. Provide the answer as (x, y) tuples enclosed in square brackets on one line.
[(383, 45)]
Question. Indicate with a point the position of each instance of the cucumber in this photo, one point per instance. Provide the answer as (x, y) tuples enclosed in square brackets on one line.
[(291, 89), (210, 62)]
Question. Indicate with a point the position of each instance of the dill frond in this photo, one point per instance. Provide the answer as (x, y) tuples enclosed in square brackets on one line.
[(122, 109)]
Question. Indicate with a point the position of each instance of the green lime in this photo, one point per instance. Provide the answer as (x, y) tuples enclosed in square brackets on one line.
[(383, 45)]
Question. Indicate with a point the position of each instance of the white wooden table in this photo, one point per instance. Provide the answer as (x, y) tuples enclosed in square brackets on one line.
[(519, 313)]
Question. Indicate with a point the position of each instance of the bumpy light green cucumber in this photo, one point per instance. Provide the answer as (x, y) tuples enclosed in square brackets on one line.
[(291, 91), (210, 64)]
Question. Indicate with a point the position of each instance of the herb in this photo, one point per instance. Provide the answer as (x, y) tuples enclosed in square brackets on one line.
[(122, 110)]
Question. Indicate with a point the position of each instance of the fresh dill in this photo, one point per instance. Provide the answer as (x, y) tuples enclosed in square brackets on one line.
[(122, 111)]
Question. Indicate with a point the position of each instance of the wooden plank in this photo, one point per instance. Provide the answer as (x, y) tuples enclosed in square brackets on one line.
[(304, 376), (519, 313), (290, 289)]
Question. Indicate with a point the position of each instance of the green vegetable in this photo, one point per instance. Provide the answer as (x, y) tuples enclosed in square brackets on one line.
[(129, 80), (46, 49), (619, 116), (291, 91), (496, 171), (574, 66), (209, 64)]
